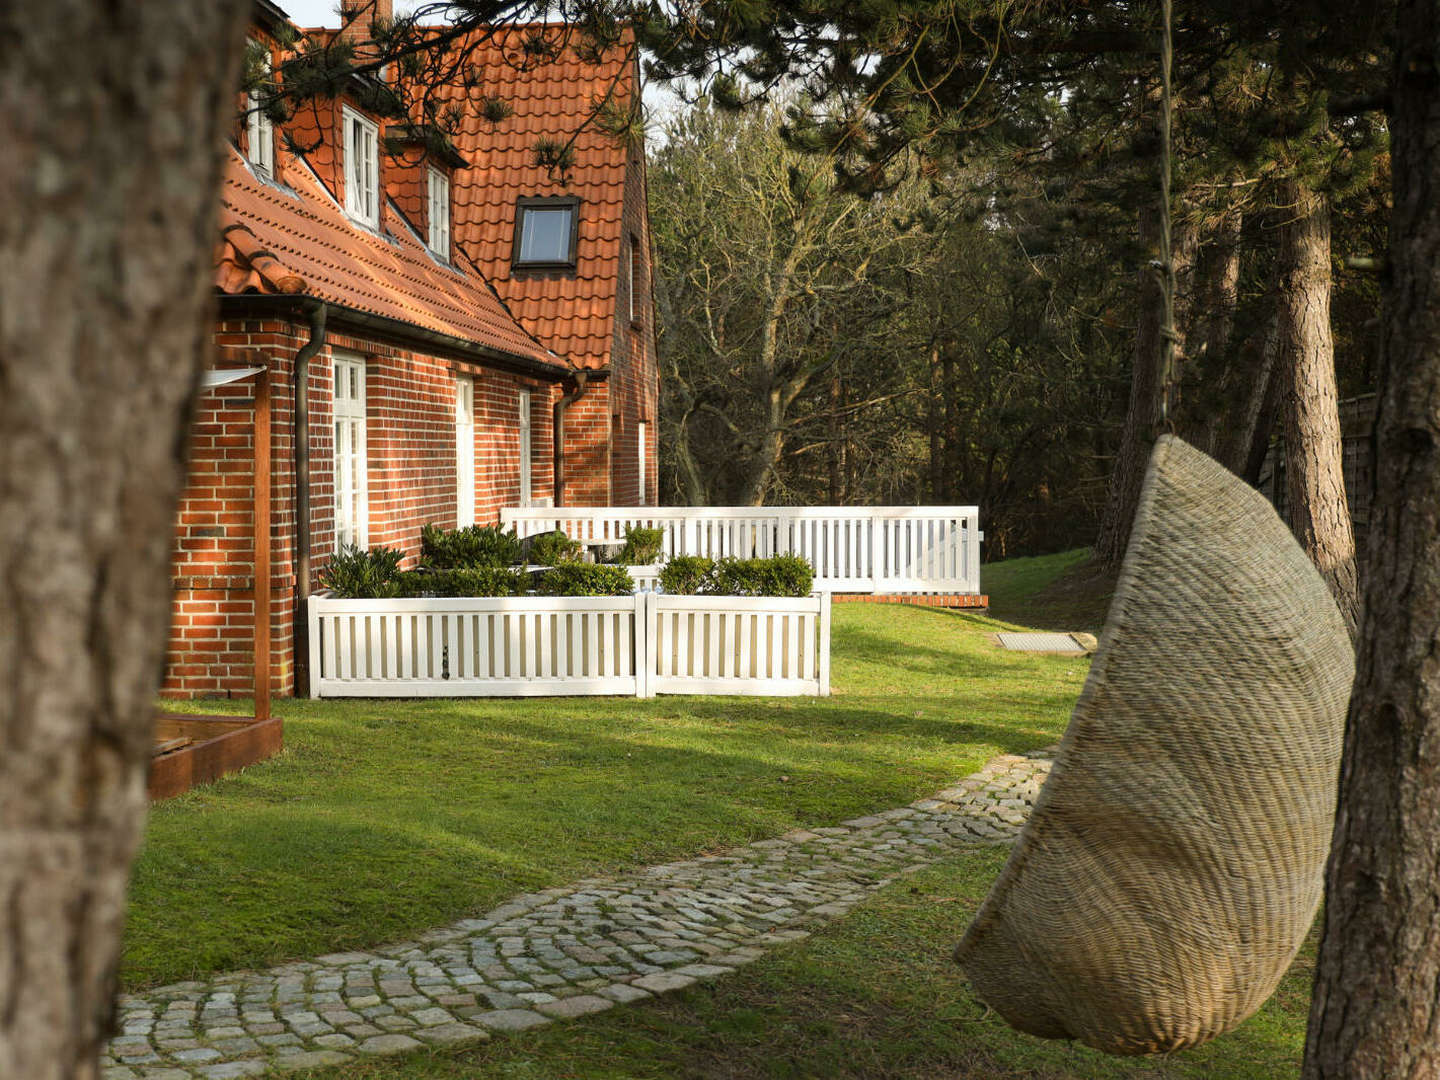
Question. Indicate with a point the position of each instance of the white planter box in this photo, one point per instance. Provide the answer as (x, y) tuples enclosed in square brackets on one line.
[(637, 645)]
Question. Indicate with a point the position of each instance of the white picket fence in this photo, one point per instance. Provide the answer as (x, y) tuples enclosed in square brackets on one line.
[(639, 645), (882, 549)]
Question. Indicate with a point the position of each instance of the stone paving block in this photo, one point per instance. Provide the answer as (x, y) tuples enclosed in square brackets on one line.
[(580, 1005), (703, 971), (623, 993), (663, 982), (510, 1019), (389, 1044)]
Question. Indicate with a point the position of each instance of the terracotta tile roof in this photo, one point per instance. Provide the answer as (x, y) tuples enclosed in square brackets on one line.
[(300, 241), (573, 314)]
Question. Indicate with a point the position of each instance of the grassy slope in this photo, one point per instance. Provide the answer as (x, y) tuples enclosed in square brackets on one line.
[(872, 996), (383, 818)]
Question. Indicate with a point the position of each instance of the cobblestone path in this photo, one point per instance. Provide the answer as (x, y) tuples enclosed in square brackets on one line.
[(559, 953)]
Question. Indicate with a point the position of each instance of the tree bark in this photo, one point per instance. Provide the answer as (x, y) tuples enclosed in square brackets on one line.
[(111, 116), (1142, 418), (1376, 1011), (1314, 450), (1236, 431)]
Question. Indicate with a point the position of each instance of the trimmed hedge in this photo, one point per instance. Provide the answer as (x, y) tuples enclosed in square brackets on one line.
[(642, 546), (476, 581), (355, 574), (684, 575), (585, 579), (554, 549), (469, 548), (780, 575)]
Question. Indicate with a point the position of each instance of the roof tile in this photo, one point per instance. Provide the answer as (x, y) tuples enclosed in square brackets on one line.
[(298, 240)]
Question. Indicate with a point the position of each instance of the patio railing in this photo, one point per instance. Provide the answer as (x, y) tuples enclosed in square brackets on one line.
[(882, 549)]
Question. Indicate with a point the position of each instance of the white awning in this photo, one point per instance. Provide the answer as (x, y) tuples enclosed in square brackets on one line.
[(220, 376)]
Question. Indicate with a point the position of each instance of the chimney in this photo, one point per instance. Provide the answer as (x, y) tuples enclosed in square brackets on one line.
[(357, 15)]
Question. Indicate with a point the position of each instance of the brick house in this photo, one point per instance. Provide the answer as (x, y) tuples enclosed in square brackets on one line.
[(422, 322)]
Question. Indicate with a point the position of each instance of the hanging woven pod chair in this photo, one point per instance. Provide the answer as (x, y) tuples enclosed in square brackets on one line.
[(1174, 860)]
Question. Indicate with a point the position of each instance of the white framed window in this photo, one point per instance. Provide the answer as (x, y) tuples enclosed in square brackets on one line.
[(362, 168), (524, 448), (640, 458), (632, 255), (439, 213), (464, 452), (260, 129), (352, 498)]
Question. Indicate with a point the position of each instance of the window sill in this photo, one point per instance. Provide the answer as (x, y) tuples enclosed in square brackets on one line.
[(543, 268)]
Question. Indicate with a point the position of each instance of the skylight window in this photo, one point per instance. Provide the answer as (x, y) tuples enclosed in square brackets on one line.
[(362, 169), (546, 232), (439, 213)]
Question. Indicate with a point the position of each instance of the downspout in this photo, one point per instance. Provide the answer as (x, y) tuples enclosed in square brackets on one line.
[(307, 351), (557, 433)]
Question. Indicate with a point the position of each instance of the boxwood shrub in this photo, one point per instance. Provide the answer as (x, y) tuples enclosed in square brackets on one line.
[(780, 575), (684, 575), (356, 574), (468, 548), (585, 579), (476, 581), (554, 548), (642, 546)]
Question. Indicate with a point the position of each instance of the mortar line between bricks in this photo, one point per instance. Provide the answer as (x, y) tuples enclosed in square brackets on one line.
[(559, 953)]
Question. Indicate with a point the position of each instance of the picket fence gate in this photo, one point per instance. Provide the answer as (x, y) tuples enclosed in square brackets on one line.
[(640, 645)]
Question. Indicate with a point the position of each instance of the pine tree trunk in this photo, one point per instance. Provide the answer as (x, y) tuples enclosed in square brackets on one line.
[(1236, 430), (1142, 418), (111, 117), (1314, 451), (1376, 1009)]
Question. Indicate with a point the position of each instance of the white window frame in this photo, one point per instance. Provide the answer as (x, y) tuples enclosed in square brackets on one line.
[(640, 457), (362, 167), (464, 451), (631, 247), (260, 130), (352, 478), (438, 214), (525, 448)]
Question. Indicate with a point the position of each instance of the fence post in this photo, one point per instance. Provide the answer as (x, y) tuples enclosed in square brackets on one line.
[(644, 643), (824, 654), (317, 652)]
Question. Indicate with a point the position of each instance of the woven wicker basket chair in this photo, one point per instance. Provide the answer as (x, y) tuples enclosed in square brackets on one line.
[(1173, 862)]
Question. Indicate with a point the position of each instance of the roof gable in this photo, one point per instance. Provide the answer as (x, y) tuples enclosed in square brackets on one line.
[(298, 240), (572, 312)]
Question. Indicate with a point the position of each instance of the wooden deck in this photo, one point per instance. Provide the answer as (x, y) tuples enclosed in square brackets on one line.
[(192, 750)]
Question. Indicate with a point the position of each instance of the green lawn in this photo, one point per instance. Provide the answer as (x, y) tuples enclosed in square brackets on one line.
[(383, 818)]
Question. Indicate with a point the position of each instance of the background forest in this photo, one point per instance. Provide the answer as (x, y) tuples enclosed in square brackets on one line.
[(966, 334)]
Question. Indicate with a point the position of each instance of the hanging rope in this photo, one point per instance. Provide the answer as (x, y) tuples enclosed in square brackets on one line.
[(1168, 335)]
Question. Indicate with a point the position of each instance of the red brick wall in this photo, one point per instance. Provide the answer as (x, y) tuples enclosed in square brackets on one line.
[(587, 447), (410, 434)]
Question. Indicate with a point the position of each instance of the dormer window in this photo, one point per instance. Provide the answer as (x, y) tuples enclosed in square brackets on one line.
[(260, 129), (439, 213), (362, 168), (546, 231)]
